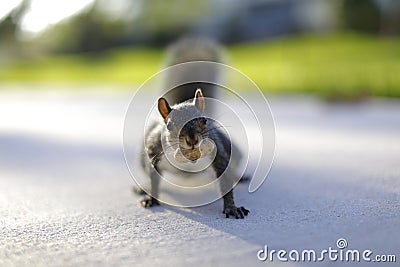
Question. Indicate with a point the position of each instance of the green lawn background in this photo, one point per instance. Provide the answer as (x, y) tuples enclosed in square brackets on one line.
[(334, 66)]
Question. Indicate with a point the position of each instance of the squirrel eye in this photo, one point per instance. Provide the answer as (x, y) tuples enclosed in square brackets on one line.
[(169, 126)]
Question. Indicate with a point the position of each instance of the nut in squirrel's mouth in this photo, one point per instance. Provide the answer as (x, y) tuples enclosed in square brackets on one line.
[(192, 154)]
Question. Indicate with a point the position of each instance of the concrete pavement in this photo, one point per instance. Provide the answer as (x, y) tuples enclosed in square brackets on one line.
[(66, 200)]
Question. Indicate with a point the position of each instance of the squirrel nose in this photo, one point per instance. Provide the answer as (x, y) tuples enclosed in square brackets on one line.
[(192, 141)]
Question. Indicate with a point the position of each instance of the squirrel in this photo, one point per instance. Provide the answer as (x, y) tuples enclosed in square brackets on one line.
[(187, 130), (187, 50)]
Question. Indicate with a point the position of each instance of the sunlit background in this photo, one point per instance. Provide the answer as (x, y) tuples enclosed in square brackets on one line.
[(346, 49)]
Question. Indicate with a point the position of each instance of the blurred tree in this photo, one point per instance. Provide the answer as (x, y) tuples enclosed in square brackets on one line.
[(155, 22), (89, 31), (361, 15), (9, 28)]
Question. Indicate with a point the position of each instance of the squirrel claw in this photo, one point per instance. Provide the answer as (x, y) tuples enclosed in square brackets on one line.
[(236, 212), (148, 201)]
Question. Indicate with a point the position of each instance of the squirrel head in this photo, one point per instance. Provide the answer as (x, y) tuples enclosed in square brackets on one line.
[(185, 124)]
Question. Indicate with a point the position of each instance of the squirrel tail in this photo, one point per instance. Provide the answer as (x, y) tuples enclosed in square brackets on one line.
[(194, 49), (187, 50)]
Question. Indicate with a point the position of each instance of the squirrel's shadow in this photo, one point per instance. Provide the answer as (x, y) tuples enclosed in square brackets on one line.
[(212, 216), (282, 211)]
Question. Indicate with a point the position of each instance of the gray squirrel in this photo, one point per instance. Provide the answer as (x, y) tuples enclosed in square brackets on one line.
[(187, 128)]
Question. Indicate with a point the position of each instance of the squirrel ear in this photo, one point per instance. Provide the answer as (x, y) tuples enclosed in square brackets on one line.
[(163, 107), (199, 100)]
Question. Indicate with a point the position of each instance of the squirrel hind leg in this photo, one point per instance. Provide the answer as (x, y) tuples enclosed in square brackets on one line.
[(138, 190), (149, 201)]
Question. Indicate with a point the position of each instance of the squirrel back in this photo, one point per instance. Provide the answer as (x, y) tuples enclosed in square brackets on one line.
[(188, 50)]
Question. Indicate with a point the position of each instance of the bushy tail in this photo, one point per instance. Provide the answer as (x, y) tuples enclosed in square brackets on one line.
[(189, 50)]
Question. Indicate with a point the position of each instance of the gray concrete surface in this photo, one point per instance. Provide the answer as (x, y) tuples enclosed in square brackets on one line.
[(65, 193)]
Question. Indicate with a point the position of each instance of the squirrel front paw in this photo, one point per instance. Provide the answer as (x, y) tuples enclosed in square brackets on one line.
[(149, 201), (235, 211)]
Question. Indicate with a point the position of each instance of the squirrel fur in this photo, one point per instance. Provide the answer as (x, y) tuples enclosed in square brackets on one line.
[(187, 130)]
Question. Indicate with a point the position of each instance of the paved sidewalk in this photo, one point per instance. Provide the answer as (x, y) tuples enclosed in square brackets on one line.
[(65, 195)]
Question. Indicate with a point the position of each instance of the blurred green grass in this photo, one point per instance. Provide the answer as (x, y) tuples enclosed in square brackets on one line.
[(344, 66), (341, 66), (119, 66)]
